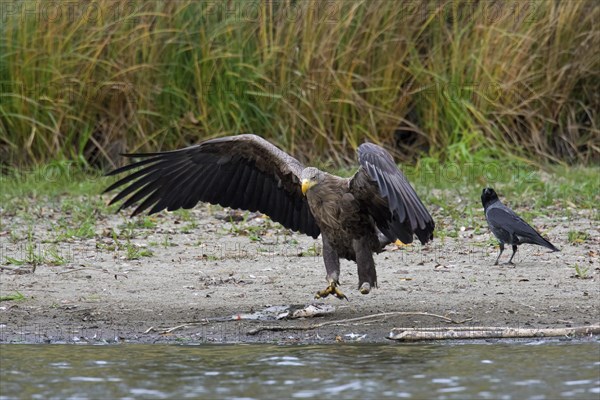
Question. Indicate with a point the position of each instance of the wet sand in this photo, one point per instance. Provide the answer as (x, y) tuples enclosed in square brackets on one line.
[(217, 271)]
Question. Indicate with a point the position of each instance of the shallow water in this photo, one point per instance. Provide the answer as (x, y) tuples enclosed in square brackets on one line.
[(531, 370)]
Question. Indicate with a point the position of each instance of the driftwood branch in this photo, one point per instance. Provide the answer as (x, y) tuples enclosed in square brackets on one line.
[(174, 328), (487, 332), (347, 321)]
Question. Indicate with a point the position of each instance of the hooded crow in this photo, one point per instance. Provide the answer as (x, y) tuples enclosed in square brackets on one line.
[(507, 226)]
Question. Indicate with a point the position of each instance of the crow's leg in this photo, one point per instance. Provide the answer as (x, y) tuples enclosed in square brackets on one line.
[(332, 266), (501, 250), (514, 247)]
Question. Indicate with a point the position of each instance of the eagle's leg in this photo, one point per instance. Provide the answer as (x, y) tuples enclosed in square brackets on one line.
[(332, 266), (514, 248), (367, 276), (501, 250)]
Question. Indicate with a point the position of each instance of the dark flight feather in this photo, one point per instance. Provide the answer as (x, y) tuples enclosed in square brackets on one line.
[(402, 213), (225, 171)]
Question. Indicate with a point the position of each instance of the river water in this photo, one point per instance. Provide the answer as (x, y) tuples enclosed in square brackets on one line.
[(522, 370)]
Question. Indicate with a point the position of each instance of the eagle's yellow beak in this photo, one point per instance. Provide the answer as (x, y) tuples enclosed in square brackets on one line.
[(307, 184)]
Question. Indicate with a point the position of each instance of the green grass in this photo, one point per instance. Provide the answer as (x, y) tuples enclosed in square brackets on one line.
[(74, 228), (451, 191), (577, 237), (13, 297), (166, 243), (581, 272), (189, 228), (437, 79), (312, 251), (520, 183), (253, 230), (33, 254), (438, 183), (134, 252)]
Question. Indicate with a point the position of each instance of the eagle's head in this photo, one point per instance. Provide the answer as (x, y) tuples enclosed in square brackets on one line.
[(310, 177)]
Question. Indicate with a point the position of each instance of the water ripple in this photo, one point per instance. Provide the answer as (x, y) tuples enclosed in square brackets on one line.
[(258, 372), (580, 382)]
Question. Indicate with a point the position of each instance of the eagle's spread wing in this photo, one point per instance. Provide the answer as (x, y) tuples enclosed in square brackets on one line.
[(387, 195), (243, 171)]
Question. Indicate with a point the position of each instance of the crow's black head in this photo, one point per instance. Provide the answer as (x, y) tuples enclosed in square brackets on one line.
[(488, 196)]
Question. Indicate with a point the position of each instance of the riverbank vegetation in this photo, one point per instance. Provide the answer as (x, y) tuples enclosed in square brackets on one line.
[(450, 81)]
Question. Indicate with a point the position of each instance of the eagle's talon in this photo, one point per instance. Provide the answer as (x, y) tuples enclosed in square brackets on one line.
[(340, 295), (365, 288), (331, 289)]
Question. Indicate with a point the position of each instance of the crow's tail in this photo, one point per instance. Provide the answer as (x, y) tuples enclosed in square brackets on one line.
[(543, 242)]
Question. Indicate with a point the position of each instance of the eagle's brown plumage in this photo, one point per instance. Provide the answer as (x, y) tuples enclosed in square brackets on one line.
[(355, 216)]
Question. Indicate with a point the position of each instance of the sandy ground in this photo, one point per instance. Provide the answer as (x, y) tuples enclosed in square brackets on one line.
[(216, 271)]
